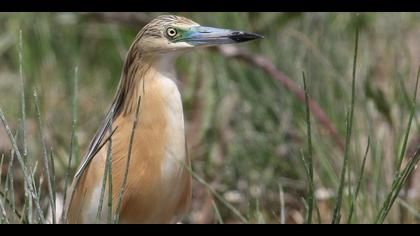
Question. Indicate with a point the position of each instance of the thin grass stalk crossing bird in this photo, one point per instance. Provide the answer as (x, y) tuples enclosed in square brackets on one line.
[(144, 124)]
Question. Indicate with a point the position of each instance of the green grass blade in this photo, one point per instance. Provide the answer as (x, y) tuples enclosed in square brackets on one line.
[(401, 176), (217, 213), (337, 209), (124, 182), (407, 133), (73, 140), (23, 116), (45, 158), (109, 169), (359, 183), (217, 195), (1, 168), (26, 172), (3, 214), (22, 97), (11, 177), (107, 175), (311, 197), (53, 182), (415, 212)]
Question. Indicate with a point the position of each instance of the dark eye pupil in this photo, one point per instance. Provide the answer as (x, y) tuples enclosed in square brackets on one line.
[(171, 32)]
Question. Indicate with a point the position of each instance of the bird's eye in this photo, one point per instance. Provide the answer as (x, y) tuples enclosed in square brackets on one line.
[(171, 32)]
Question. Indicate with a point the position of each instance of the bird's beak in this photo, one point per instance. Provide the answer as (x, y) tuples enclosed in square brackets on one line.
[(207, 36)]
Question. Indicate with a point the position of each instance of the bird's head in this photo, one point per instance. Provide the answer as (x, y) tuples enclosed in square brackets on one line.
[(170, 33)]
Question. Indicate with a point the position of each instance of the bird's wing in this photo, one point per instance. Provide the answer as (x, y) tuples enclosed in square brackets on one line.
[(98, 141), (94, 147)]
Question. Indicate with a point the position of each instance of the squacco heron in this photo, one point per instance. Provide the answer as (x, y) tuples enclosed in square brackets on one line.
[(158, 181)]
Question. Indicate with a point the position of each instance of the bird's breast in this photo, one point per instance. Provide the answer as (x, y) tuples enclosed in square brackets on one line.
[(158, 178), (174, 153)]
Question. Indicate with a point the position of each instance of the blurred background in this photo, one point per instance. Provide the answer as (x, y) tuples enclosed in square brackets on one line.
[(246, 130)]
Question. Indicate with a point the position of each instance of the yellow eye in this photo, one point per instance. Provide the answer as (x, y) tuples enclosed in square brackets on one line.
[(171, 32)]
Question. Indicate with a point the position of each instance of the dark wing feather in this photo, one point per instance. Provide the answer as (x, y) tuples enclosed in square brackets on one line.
[(97, 142)]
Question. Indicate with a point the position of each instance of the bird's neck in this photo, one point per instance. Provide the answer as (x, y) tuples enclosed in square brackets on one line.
[(138, 71), (164, 65)]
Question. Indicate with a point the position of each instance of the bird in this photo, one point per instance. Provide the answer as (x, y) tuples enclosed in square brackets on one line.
[(142, 136)]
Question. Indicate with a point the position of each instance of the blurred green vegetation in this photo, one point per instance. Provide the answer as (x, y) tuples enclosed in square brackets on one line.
[(246, 131)]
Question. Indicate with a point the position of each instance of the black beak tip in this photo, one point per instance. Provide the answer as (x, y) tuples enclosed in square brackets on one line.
[(240, 37)]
